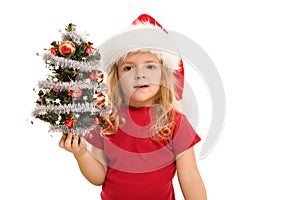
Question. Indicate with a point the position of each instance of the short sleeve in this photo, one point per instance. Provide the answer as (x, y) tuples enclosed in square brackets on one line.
[(94, 138), (184, 136)]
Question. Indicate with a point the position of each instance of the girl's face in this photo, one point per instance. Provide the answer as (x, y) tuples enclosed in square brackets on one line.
[(139, 76)]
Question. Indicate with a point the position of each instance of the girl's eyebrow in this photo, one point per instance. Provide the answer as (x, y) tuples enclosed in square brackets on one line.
[(133, 63), (126, 63), (152, 61)]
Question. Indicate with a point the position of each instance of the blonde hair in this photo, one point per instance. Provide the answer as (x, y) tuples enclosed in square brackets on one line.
[(164, 101)]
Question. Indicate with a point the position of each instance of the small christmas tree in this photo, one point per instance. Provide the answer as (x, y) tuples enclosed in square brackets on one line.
[(72, 97)]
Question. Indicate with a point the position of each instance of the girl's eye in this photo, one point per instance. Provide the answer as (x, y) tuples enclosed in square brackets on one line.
[(151, 66), (127, 68)]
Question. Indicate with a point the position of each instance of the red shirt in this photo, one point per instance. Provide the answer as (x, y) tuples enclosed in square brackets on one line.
[(138, 166)]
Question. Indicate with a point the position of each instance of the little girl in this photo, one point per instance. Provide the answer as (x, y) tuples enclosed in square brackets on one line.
[(146, 139)]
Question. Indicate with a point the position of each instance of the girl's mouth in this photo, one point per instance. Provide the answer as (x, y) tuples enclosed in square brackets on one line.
[(140, 86)]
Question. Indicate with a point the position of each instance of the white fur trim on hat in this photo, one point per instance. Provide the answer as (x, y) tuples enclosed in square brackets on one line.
[(139, 39)]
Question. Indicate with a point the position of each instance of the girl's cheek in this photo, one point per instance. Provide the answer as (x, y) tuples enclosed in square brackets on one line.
[(126, 85), (156, 78)]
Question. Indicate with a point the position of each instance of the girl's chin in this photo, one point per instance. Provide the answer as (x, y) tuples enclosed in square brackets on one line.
[(140, 103)]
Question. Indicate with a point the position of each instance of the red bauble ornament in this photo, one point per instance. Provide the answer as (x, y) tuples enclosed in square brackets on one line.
[(78, 93), (70, 93), (97, 121), (92, 76), (56, 90), (100, 99), (70, 123), (89, 49), (66, 48), (99, 75), (53, 51)]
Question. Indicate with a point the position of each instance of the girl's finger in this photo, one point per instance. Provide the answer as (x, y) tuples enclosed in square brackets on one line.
[(75, 142), (68, 141), (62, 140)]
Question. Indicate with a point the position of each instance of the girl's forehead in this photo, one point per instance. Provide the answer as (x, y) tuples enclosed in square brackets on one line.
[(140, 57)]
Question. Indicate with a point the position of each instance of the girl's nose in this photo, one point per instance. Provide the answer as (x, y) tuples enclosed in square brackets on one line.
[(139, 73)]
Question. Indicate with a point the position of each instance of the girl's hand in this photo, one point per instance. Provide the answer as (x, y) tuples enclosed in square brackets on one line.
[(73, 144)]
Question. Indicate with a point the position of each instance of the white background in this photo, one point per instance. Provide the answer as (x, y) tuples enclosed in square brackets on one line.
[(255, 46)]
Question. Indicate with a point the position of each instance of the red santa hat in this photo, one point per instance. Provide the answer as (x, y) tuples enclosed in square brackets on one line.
[(144, 34)]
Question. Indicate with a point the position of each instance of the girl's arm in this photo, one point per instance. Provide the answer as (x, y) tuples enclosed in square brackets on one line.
[(94, 170), (189, 177)]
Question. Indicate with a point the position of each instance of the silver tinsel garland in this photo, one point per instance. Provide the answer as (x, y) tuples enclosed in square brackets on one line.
[(77, 108), (76, 37), (78, 130), (103, 111), (86, 84), (83, 66)]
